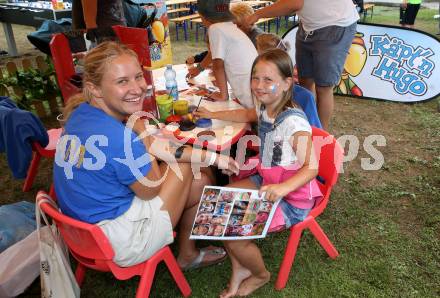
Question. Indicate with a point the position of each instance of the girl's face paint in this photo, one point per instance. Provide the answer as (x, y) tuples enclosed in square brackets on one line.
[(273, 88), (267, 85)]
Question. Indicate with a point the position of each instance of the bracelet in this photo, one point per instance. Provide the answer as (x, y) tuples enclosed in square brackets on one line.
[(199, 67), (212, 159), (179, 151)]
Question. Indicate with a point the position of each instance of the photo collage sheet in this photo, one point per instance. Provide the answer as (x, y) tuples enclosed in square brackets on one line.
[(232, 213)]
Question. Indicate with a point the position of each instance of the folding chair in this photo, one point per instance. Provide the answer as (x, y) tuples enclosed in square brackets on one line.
[(63, 64), (90, 247), (330, 156)]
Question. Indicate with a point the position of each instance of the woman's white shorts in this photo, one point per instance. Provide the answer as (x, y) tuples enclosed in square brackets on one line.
[(140, 232)]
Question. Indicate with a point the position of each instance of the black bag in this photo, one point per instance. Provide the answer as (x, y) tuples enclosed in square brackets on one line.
[(41, 38)]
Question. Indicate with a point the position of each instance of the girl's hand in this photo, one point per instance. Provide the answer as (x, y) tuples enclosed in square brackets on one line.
[(203, 113), (227, 164), (274, 192)]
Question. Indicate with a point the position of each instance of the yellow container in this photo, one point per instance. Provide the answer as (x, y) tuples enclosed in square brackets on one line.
[(164, 106), (180, 107)]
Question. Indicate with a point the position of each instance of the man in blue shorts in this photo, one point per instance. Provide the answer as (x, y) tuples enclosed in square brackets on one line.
[(325, 33)]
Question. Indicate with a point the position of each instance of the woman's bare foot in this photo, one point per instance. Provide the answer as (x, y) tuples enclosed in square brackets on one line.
[(252, 283), (234, 283)]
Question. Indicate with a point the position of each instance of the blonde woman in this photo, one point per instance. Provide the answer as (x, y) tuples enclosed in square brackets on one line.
[(106, 171)]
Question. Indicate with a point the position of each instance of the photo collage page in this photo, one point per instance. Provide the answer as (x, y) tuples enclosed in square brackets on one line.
[(231, 213)]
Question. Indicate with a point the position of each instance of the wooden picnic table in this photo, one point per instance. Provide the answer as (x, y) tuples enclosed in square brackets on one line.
[(258, 3), (178, 2)]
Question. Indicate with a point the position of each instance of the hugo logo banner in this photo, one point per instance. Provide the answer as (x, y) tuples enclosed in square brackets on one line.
[(388, 63)]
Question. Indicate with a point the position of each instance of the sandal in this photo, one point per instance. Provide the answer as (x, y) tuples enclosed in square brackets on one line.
[(199, 262)]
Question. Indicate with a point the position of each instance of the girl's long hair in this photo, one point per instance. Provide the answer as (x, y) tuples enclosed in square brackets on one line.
[(285, 68)]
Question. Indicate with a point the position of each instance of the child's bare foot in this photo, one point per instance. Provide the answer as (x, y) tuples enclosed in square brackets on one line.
[(252, 283), (234, 283)]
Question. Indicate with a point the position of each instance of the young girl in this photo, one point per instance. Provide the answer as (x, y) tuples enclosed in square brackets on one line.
[(286, 170)]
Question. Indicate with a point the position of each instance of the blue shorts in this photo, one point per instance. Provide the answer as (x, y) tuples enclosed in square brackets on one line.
[(291, 214), (320, 54)]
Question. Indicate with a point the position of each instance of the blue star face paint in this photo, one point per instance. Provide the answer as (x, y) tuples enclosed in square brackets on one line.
[(273, 88)]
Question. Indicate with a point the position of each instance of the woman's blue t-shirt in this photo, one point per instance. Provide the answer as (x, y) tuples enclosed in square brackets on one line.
[(96, 161)]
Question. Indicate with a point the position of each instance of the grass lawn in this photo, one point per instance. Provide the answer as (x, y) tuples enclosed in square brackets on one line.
[(385, 224)]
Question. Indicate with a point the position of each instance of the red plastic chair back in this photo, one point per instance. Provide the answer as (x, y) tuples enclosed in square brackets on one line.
[(63, 63), (137, 40), (87, 242), (329, 154)]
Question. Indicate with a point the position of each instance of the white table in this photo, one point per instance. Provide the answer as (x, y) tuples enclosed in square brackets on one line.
[(226, 132)]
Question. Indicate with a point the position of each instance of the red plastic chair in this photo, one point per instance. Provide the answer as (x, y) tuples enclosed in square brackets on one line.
[(39, 152), (330, 160), (63, 64), (91, 248)]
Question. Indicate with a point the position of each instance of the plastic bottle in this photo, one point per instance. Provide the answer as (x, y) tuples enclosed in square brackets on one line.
[(171, 83)]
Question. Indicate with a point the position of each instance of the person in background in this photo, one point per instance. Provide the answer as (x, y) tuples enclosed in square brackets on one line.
[(115, 179), (241, 10), (411, 8), (267, 41), (232, 51), (97, 17), (325, 33)]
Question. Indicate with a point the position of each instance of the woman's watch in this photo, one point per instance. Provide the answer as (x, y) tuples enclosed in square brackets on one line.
[(199, 67)]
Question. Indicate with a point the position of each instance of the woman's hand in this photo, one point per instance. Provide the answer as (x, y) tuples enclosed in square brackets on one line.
[(227, 164), (203, 113), (274, 192)]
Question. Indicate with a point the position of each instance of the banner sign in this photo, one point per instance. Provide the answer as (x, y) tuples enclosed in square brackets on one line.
[(388, 63), (158, 32)]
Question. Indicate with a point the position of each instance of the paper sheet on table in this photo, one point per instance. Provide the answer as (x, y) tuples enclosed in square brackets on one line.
[(203, 79)]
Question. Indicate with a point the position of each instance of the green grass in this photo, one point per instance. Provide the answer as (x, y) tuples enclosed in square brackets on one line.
[(385, 224)]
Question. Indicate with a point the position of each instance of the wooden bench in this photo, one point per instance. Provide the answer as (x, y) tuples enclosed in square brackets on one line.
[(182, 22), (198, 23), (368, 7), (265, 21), (178, 10)]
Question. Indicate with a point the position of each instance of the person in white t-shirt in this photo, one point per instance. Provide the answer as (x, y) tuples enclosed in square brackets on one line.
[(232, 52), (326, 31)]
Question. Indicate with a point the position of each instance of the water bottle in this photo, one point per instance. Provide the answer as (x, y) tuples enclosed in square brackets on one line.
[(170, 82)]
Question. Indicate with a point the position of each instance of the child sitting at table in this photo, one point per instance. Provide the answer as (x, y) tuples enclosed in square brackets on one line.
[(287, 166), (232, 51), (239, 10)]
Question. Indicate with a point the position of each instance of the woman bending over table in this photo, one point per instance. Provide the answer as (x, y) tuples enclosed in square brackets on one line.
[(106, 170)]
